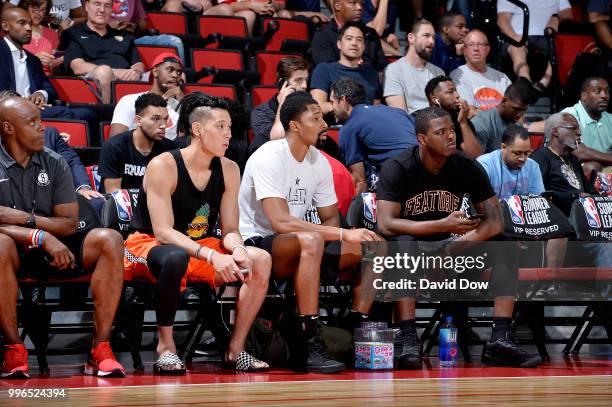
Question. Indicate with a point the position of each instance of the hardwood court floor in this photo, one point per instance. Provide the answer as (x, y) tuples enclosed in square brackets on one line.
[(563, 382)]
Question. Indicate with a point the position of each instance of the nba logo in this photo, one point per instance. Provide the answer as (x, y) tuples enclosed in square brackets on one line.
[(123, 204), (590, 210), (516, 209), (369, 206)]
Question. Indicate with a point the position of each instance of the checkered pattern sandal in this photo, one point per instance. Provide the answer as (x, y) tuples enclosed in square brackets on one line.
[(247, 363), (166, 365)]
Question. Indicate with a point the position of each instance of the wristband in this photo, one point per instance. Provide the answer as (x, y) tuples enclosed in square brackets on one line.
[(209, 257), (197, 253), (241, 247), (40, 237)]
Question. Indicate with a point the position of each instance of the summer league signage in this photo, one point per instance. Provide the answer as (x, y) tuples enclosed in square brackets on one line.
[(591, 217), (532, 217)]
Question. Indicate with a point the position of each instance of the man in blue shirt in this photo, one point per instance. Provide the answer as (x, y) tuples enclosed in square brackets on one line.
[(510, 170), (370, 134), (452, 28)]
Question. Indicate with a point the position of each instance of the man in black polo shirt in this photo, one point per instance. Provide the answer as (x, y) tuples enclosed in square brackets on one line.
[(125, 156), (95, 50), (428, 209), (38, 220), (324, 48)]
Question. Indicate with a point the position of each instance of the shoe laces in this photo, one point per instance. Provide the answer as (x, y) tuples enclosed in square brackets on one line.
[(510, 339), (317, 348), (13, 355), (407, 340)]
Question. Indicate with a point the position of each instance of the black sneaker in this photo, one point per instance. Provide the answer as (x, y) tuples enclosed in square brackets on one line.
[(407, 350), (318, 360), (506, 352)]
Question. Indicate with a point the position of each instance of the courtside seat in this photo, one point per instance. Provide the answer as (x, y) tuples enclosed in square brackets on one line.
[(568, 47), (121, 88), (266, 65), (261, 94), (167, 23), (72, 89), (291, 36), (148, 53), (78, 130), (225, 91)]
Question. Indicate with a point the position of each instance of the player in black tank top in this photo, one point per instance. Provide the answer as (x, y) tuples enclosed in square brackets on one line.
[(183, 194)]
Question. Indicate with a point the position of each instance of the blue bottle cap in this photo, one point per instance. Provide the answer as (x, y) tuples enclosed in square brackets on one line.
[(449, 319)]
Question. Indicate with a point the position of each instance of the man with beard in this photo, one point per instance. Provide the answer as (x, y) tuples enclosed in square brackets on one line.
[(125, 157), (281, 180), (448, 52), (441, 92), (23, 72), (404, 79), (167, 74), (510, 170), (370, 134), (595, 124)]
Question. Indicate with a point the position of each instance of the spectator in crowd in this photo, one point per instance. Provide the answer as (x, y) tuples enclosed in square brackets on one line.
[(24, 72), (44, 40), (183, 194), (510, 170), (351, 43), (98, 51), (543, 14), (381, 15), (464, 7), (63, 13), (130, 15), (281, 180), (325, 41), (491, 124), (428, 208), (448, 51), (167, 72), (55, 142), (441, 92), (40, 235), (125, 157), (291, 76), (370, 134), (481, 86), (561, 171), (598, 13), (405, 78)]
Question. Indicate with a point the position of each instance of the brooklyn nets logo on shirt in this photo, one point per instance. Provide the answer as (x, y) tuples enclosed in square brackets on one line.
[(43, 178)]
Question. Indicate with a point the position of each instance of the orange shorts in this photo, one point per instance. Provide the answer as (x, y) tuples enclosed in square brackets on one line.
[(138, 245)]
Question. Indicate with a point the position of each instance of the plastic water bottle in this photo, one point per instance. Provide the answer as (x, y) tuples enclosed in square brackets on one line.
[(448, 344)]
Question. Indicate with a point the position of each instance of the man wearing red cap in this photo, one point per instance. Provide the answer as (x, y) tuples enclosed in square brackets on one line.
[(167, 74)]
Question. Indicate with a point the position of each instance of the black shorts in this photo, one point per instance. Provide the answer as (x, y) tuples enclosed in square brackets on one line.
[(36, 261), (330, 263)]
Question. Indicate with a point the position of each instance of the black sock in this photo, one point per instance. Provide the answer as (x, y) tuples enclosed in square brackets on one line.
[(407, 326), (355, 318), (309, 325), (501, 325)]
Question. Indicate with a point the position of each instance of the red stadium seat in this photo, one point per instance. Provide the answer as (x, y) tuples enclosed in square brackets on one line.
[(266, 65), (288, 30), (119, 89), (537, 140), (78, 130), (568, 47), (105, 131), (75, 89), (225, 91), (220, 59), (261, 94), (224, 25), (149, 52), (334, 134), (167, 23)]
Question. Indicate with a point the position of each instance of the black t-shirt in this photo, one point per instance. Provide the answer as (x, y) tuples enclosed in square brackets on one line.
[(565, 182), (115, 49), (120, 159), (425, 196)]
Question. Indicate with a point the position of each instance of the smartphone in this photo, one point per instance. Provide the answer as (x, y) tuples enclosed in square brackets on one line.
[(58, 54), (474, 215), (280, 83)]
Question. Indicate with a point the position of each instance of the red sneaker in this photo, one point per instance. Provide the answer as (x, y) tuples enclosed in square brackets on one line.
[(15, 365), (102, 362)]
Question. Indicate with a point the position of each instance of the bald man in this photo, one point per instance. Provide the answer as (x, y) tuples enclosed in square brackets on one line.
[(481, 86), (38, 234), (23, 72)]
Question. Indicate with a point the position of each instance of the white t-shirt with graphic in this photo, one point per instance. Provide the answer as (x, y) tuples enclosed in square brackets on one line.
[(273, 172), (125, 113), (483, 90)]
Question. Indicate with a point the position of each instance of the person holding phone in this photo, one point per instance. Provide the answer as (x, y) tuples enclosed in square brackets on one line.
[(44, 40), (428, 209), (291, 76)]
